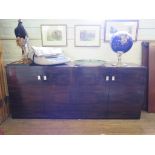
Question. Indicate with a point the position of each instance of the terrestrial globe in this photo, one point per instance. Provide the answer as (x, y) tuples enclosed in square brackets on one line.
[(121, 42)]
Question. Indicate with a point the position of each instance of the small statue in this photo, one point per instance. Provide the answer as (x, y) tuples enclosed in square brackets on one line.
[(22, 40)]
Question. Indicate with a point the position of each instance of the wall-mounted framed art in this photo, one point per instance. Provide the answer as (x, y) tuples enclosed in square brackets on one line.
[(54, 35), (87, 35), (113, 26)]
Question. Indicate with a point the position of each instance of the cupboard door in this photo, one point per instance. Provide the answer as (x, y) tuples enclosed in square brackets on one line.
[(126, 92), (58, 92), (25, 91), (89, 93)]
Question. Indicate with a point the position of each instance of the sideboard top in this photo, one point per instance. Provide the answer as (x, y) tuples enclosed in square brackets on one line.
[(74, 64)]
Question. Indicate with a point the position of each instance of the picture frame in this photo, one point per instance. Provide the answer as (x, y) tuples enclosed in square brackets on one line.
[(54, 35), (87, 35), (113, 26)]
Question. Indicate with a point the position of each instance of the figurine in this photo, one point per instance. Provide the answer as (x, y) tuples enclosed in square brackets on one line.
[(22, 40)]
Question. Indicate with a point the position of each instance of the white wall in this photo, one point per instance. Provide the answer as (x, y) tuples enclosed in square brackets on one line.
[(12, 52)]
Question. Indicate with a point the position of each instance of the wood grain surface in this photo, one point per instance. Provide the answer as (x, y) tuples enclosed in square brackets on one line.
[(144, 126)]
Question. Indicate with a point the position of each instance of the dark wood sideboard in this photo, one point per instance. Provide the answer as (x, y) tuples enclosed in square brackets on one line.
[(67, 91)]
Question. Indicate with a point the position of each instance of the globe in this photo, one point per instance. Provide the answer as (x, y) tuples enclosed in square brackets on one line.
[(121, 42)]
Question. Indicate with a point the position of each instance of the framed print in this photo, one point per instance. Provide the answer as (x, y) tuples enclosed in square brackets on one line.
[(54, 35), (87, 35), (113, 26)]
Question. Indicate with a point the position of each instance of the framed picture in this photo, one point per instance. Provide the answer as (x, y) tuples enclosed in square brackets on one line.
[(87, 35), (113, 26), (54, 35)]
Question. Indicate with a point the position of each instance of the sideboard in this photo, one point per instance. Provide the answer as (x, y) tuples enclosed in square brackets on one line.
[(71, 92)]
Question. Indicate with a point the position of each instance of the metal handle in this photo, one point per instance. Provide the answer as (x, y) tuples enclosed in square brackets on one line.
[(113, 78), (39, 77), (45, 77), (107, 78)]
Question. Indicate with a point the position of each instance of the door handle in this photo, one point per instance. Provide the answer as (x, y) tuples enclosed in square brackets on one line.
[(44, 77), (107, 78), (39, 77), (113, 78)]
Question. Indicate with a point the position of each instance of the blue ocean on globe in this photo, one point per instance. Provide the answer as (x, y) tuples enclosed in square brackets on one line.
[(121, 42)]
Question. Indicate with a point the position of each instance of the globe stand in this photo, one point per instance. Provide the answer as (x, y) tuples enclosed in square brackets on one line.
[(119, 59)]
